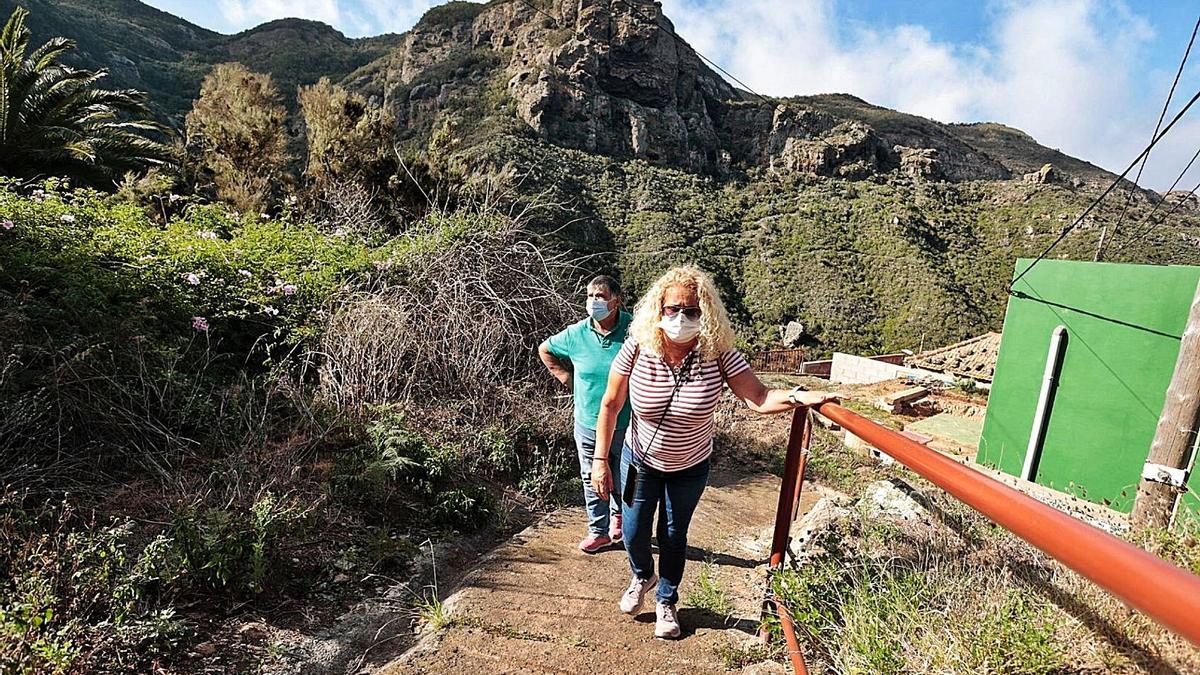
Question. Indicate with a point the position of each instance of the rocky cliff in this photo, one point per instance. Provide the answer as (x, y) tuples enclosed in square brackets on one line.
[(611, 78)]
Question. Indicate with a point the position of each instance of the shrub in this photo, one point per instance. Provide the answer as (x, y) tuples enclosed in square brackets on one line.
[(77, 593), (883, 599), (478, 296), (234, 547), (137, 337)]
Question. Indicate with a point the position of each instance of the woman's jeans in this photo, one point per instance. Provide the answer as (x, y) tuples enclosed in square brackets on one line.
[(598, 510), (675, 495)]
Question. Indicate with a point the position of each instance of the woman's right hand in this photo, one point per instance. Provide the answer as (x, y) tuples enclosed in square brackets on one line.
[(601, 478)]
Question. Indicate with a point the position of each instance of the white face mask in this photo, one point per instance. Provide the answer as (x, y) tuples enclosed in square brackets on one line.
[(680, 329), (598, 309)]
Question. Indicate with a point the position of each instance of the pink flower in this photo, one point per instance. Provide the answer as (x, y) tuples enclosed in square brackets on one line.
[(207, 234), (67, 218), (245, 273), (200, 324), (270, 310), (6, 224), (192, 278), (289, 289)]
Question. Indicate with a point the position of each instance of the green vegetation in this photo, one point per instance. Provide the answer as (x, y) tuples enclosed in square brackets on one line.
[(708, 593), (883, 599), (200, 363), (867, 266), (236, 132), (55, 120)]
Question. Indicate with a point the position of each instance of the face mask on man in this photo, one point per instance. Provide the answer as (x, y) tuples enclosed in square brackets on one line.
[(597, 308), (679, 329)]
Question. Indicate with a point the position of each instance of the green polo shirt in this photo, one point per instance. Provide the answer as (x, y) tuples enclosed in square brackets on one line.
[(591, 353)]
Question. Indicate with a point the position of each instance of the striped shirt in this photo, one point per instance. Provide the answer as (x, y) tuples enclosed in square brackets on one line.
[(686, 434)]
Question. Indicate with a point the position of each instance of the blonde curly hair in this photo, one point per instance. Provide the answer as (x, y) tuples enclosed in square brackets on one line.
[(716, 333)]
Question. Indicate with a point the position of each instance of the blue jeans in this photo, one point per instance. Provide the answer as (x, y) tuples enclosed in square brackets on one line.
[(677, 493), (598, 510)]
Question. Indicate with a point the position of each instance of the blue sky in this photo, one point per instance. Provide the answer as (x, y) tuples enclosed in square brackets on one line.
[(1086, 76)]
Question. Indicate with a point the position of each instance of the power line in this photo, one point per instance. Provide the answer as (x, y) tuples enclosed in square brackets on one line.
[(1067, 230), (1161, 117), (1150, 225), (681, 41)]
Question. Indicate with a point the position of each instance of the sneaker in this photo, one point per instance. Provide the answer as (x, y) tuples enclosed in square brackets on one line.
[(594, 542), (667, 623), (614, 528), (631, 602)]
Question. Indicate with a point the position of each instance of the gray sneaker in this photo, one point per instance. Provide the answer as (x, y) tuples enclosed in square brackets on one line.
[(667, 624), (632, 600)]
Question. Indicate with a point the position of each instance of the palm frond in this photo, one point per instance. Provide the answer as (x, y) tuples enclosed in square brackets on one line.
[(56, 119)]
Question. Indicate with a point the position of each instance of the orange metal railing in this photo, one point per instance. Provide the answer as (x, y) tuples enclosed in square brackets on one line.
[(1162, 591)]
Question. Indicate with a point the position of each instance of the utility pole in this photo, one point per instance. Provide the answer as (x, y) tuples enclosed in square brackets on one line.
[(1165, 472), (1099, 255)]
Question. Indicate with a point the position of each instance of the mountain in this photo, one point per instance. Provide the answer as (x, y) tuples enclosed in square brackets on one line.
[(166, 56), (876, 229)]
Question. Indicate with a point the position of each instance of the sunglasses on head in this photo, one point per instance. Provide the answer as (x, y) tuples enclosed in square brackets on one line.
[(691, 313)]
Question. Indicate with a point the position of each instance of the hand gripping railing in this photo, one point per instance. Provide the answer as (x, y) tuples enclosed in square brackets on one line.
[(1162, 591)]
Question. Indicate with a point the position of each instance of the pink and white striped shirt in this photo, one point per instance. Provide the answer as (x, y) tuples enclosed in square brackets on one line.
[(686, 434)]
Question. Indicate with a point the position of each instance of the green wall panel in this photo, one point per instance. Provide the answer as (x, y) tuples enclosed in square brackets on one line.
[(1123, 328)]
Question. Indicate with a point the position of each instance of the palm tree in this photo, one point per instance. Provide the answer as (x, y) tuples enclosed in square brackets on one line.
[(54, 121)]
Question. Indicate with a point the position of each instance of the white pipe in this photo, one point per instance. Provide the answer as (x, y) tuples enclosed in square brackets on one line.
[(1038, 432)]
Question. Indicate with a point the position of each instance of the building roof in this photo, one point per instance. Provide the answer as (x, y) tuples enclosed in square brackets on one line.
[(974, 358)]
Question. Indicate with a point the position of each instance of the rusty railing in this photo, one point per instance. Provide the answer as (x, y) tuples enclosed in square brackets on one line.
[(778, 361), (1162, 591)]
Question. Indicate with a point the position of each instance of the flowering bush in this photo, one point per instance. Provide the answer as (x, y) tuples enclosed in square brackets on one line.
[(137, 326)]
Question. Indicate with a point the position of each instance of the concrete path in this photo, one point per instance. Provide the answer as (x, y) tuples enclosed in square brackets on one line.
[(538, 605)]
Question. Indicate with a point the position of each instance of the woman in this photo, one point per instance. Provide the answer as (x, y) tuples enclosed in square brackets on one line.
[(672, 367)]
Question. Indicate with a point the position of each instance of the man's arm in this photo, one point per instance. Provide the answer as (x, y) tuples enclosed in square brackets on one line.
[(559, 368)]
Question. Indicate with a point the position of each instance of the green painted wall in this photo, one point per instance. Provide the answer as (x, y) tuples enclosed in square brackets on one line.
[(1123, 325)]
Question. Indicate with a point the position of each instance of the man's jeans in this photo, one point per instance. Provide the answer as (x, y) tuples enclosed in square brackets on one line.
[(675, 495), (598, 510)]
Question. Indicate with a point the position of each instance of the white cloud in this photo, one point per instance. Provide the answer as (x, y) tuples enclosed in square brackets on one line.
[(355, 18), (248, 13), (1071, 73), (389, 16)]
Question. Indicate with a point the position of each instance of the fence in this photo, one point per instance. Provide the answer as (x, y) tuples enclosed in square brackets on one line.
[(778, 361), (1159, 589)]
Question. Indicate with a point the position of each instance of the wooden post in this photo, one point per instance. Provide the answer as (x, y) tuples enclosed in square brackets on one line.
[(1176, 433)]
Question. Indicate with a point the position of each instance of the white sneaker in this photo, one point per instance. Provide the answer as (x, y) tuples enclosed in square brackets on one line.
[(632, 600), (667, 625)]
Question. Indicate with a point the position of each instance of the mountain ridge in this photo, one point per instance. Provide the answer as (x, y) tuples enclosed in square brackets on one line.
[(647, 95)]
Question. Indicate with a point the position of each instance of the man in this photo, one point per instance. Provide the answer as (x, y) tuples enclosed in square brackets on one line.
[(580, 357)]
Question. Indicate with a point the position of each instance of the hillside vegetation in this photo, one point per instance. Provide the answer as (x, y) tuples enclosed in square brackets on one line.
[(281, 351)]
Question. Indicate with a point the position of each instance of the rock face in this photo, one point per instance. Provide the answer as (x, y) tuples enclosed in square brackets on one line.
[(919, 163), (1044, 175), (612, 80), (791, 334)]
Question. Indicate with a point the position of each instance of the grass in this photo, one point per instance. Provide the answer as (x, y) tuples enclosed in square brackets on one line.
[(735, 657), (957, 594), (708, 593), (433, 613)]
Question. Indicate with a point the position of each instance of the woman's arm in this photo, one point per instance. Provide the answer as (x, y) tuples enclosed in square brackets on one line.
[(606, 422), (757, 397)]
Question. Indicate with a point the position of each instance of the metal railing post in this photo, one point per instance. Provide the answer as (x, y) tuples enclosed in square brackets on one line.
[(799, 440)]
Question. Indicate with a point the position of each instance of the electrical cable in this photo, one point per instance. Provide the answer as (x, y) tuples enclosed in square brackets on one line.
[(1096, 202), (1150, 225), (1157, 126), (707, 60)]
